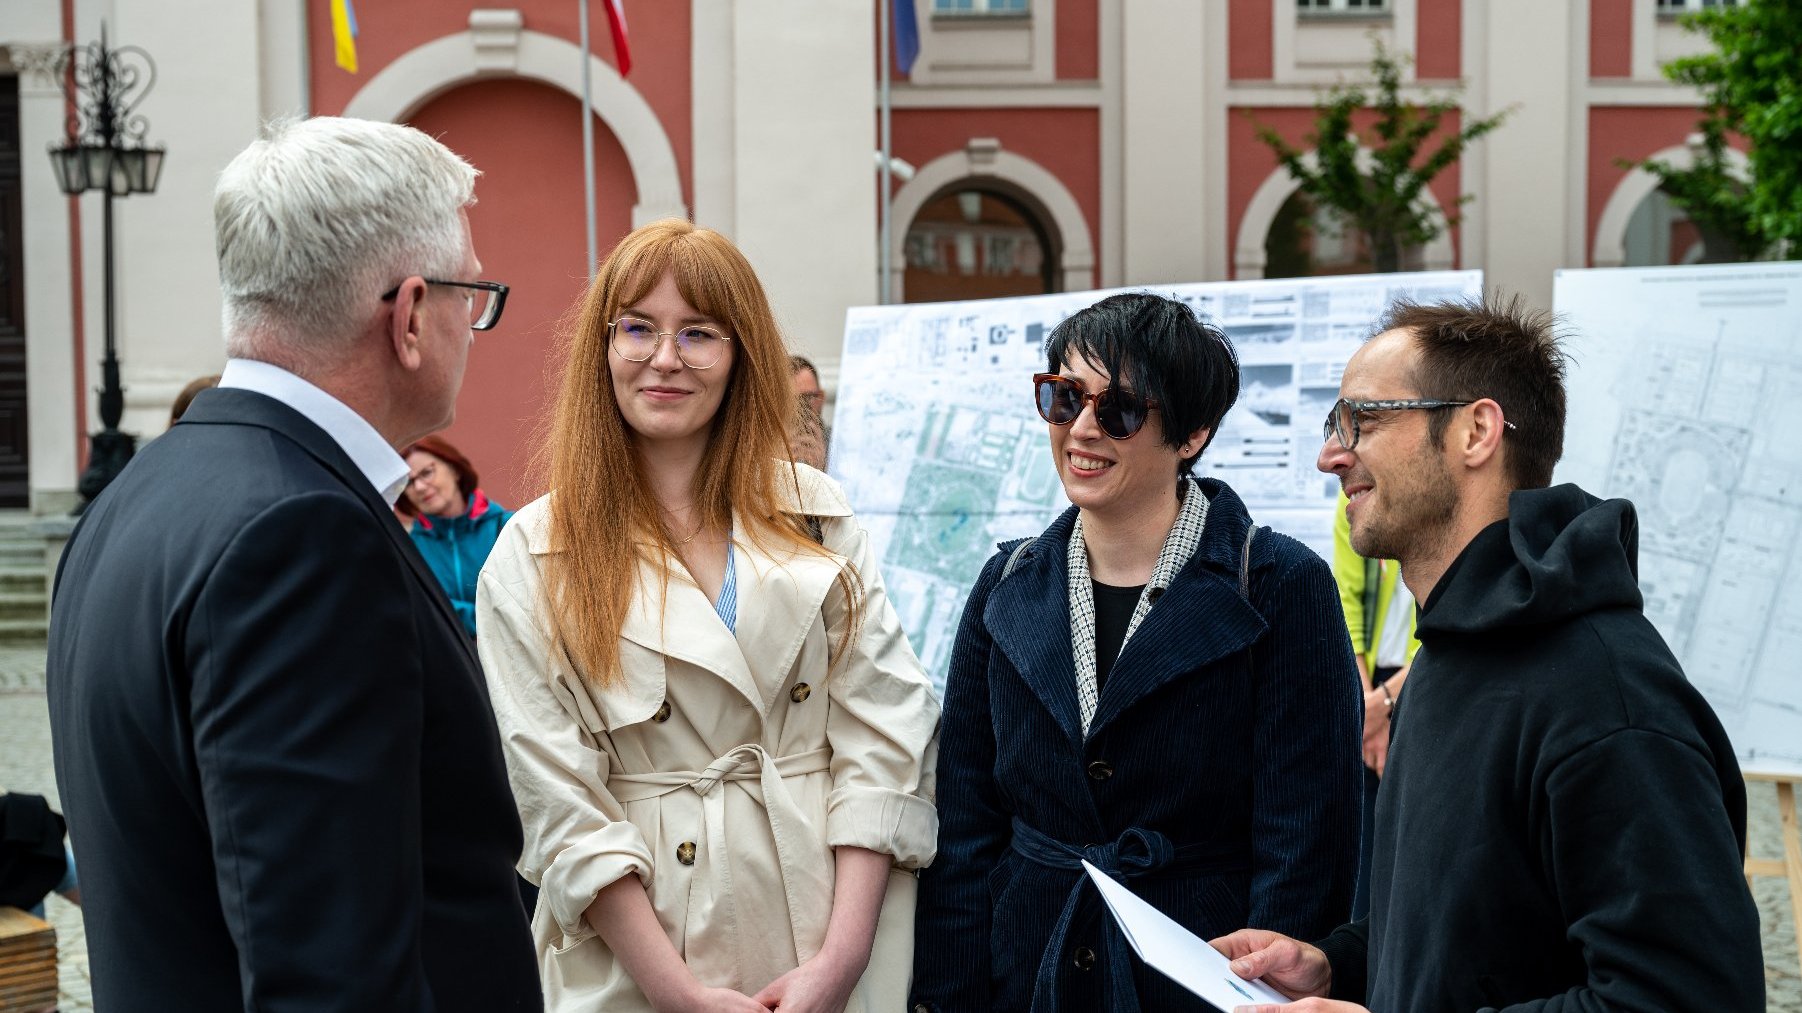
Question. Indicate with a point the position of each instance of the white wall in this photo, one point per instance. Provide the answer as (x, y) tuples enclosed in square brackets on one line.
[(205, 108), (788, 172)]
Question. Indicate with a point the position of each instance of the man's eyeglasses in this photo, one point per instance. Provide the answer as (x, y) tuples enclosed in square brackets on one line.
[(699, 346), (486, 299), (1120, 414), (1342, 420)]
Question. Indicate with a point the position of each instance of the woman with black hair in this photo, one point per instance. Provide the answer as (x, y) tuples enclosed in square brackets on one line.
[(1153, 684)]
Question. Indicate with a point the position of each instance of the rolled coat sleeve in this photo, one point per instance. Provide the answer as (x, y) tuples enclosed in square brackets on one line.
[(578, 840), (883, 722)]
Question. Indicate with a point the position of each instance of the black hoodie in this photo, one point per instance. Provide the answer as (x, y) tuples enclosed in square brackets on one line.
[(1562, 822)]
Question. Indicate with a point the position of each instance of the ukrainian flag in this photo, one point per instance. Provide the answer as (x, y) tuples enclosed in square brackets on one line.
[(344, 34)]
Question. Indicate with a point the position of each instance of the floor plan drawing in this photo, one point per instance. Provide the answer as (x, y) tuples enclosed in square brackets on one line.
[(1685, 393)]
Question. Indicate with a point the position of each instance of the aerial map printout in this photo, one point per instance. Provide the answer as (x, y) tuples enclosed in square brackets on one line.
[(942, 454), (1686, 398)]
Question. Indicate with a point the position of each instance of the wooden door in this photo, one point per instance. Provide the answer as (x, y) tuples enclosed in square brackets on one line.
[(15, 470)]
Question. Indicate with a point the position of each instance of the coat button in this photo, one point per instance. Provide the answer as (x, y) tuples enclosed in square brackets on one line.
[(1083, 958), (662, 714), (1101, 770), (685, 852), (801, 692)]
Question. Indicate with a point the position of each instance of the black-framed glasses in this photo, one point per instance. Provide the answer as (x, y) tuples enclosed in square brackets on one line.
[(1120, 414), (1342, 420), (486, 300), (699, 346)]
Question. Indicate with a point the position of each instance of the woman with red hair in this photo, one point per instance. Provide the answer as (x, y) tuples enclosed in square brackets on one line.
[(455, 524)]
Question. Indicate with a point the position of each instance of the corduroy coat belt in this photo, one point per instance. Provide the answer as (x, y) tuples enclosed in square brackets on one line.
[(1219, 779)]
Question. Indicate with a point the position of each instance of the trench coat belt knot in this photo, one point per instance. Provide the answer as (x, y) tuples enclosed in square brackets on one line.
[(806, 881), (1136, 853)]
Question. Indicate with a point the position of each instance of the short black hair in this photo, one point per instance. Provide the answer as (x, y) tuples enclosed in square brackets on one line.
[(1499, 349), (1164, 352), (797, 364)]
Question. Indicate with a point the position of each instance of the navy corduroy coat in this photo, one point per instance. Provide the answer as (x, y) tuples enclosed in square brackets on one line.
[(1219, 779)]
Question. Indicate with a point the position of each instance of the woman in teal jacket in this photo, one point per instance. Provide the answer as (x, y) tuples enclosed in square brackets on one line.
[(455, 524)]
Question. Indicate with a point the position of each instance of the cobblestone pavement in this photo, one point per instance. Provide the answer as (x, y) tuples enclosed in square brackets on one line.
[(25, 766)]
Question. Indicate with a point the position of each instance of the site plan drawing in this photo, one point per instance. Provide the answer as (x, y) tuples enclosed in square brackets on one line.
[(1686, 398), (942, 454)]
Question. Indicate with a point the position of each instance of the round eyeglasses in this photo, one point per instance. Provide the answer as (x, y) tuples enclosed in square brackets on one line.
[(1120, 414), (699, 346)]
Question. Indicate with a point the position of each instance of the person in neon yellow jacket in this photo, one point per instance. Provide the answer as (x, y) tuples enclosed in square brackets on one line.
[(1379, 615)]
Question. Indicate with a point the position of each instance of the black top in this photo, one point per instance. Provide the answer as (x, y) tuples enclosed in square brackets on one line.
[(1549, 750), (1113, 612)]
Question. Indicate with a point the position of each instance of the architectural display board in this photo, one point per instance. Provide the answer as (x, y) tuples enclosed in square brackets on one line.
[(1686, 398), (943, 455)]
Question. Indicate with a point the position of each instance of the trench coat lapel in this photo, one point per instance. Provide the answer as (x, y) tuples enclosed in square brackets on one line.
[(1028, 616), (1199, 620), (688, 630), (779, 596)]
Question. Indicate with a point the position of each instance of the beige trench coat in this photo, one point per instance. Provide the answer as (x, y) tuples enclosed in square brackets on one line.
[(723, 770)]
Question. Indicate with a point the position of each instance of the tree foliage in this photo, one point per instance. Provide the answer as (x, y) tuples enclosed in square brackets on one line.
[(1752, 81), (1384, 202)]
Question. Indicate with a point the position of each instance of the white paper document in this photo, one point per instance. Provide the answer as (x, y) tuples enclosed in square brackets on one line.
[(1178, 953)]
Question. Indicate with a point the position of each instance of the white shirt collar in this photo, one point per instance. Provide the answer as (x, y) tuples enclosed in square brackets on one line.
[(353, 434)]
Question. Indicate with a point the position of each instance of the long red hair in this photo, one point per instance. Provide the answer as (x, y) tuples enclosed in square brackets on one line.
[(603, 516)]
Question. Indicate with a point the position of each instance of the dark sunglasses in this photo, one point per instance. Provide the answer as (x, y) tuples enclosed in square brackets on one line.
[(1120, 414)]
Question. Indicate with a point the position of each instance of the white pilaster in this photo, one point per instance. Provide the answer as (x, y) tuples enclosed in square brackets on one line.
[(1164, 74), (804, 184)]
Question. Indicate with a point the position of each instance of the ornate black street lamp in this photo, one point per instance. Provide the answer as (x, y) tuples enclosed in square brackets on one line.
[(105, 151)]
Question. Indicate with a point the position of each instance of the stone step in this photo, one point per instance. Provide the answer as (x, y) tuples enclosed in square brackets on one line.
[(22, 579), (25, 605), (18, 554), (23, 631)]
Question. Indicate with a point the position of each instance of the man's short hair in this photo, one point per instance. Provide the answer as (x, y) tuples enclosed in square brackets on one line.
[(1498, 349), (797, 364), (1160, 350), (319, 217)]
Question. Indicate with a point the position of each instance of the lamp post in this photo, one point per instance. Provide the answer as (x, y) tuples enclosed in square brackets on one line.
[(104, 150)]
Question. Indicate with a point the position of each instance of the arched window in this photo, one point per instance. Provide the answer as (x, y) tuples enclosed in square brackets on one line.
[(1660, 234), (976, 240)]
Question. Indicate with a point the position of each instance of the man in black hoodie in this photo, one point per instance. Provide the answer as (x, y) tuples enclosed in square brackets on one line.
[(1561, 823)]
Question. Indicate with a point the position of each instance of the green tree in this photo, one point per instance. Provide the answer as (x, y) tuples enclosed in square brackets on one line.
[(1386, 203), (1715, 199), (1753, 79)]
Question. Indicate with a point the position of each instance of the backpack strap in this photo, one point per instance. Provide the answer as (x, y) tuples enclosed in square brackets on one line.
[(1251, 532), (1013, 558)]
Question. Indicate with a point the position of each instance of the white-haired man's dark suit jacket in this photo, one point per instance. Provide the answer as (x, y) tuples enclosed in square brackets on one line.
[(283, 779)]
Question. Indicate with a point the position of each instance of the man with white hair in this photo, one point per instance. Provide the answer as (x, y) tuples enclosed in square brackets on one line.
[(283, 780)]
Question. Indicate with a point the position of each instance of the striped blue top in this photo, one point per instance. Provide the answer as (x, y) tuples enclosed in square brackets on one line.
[(727, 606)]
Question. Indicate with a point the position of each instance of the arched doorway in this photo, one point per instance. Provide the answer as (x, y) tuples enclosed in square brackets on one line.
[(1272, 200), (975, 240), (526, 137)]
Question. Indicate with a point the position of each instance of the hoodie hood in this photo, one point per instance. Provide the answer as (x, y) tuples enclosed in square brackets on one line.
[(1560, 553)]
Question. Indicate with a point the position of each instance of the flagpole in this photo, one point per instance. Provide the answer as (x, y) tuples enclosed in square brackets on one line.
[(587, 145), (886, 205)]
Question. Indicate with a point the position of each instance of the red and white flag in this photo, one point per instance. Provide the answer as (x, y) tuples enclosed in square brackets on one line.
[(616, 23)]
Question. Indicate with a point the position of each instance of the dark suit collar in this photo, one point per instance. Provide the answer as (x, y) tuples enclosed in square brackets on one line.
[(230, 406), (1200, 619)]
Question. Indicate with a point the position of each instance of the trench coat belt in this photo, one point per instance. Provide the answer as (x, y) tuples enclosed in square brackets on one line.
[(1137, 853), (797, 842)]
